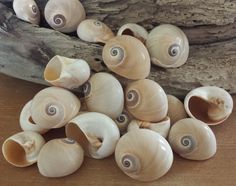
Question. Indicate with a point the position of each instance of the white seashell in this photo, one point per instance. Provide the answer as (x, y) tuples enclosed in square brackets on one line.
[(94, 31), (95, 132), (66, 72), (210, 104), (22, 149), (27, 10), (60, 157), (26, 121)]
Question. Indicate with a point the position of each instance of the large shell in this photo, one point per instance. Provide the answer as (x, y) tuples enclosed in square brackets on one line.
[(66, 72), (192, 139), (26, 121), (123, 120), (127, 56), (53, 107), (143, 155), (176, 110), (104, 94), (94, 31), (168, 46), (27, 10), (134, 30), (161, 127), (210, 104), (22, 149), (60, 157), (96, 132), (146, 100), (64, 16)]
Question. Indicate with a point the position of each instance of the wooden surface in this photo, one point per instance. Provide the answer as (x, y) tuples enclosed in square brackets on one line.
[(220, 170)]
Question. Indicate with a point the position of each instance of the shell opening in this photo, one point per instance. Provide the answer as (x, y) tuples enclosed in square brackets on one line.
[(14, 153), (53, 71), (128, 32), (130, 163), (31, 121)]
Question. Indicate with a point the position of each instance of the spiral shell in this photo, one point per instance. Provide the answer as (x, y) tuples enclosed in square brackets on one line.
[(64, 16), (94, 31), (53, 107), (27, 10), (210, 104), (123, 120), (192, 139), (127, 56), (146, 100), (143, 155), (168, 46)]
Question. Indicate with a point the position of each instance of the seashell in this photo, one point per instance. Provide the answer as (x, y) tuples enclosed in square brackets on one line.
[(176, 110), (64, 16), (60, 157), (26, 121), (22, 149), (210, 104), (192, 139), (161, 127), (66, 72), (143, 155), (104, 94), (123, 120), (127, 56), (173, 50), (27, 10), (96, 132), (94, 31), (54, 107), (134, 30), (146, 100)]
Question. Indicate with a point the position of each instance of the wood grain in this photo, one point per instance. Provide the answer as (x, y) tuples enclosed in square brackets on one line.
[(220, 170)]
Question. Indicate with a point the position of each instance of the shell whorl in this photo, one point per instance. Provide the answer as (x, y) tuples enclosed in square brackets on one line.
[(130, 163)]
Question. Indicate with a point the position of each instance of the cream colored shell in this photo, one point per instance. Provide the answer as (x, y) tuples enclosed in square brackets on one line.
[(176, 110), (26, 121), (53, 107), (96, 132), (127, 57), (27, 10), (168, 46), (143, 155), (146, 100), (161, 127), (210, 104), (123, 120), (66, 72), (104, 94), (60, 157), (94, 31), (64, 15), (22, 149), (192, 139), (134, 30)]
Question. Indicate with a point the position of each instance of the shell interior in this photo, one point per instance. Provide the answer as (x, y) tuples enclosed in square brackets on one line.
[(53, 71)]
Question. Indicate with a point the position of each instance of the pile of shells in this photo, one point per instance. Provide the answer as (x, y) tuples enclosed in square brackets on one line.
[(137, 122)]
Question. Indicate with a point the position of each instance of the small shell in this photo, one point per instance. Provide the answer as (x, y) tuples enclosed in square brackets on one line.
[(123, 120), (27, 123), (64, 16), (66, 72), (127, 56), (60, 157), (173, 50), (176, 110), (143, 155), (104, 94), (94, 31), (146, 100), (22, 149), (27, 10), (134, 30), (192, 139), (53, 107), (210, 104), (96, 132), (161, 127)]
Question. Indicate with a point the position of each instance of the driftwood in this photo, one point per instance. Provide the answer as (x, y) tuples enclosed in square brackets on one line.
[(210, 26)]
